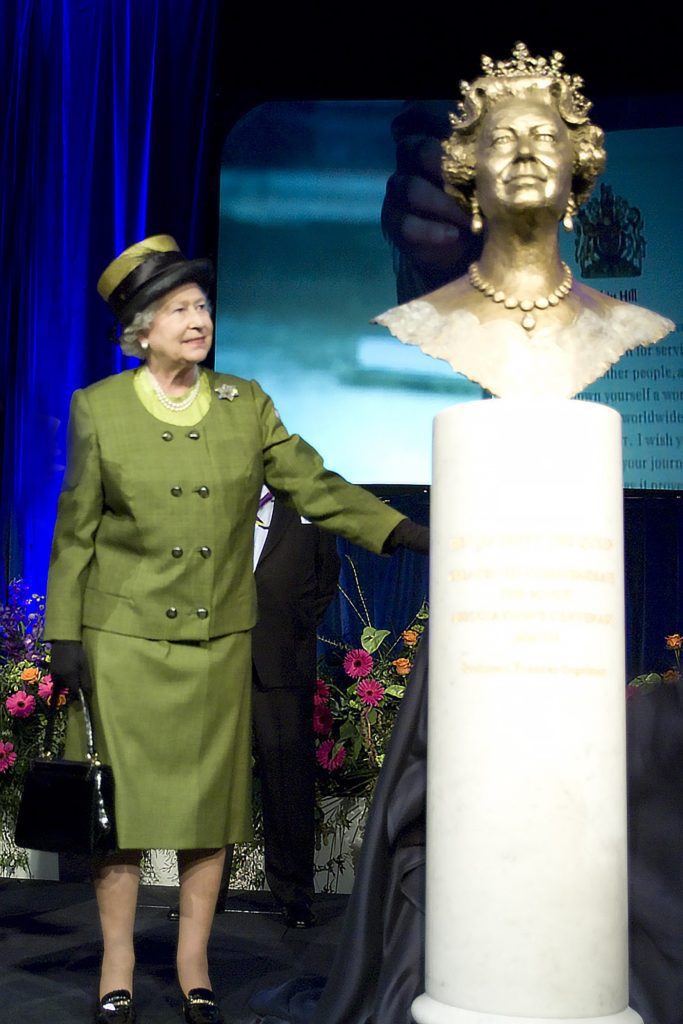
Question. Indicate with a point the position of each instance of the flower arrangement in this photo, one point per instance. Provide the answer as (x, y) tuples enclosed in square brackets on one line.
[(26, 695), (358, 693), (357, 697), (670, 676)]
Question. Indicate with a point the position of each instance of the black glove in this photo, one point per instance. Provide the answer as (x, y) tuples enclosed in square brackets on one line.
[(407, 535), (69, 666)]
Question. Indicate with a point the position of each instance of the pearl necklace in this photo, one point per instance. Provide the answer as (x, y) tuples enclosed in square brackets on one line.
[(168, 402), (526, 305)]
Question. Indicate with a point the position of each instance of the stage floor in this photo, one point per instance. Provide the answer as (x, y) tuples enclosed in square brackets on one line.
[(50, 947)]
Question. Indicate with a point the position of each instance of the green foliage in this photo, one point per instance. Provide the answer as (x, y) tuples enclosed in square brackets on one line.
[(25, 702), (669, 677), (358, 694)]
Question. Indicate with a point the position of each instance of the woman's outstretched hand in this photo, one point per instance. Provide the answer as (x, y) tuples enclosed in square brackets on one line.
[(408, 534)]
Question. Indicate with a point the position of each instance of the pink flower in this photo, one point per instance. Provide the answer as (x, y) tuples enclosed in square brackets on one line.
[(357, 664), (322, 692), (21, 704), (7, 756), (322, 720), (370, 692), (45, 687), (325, 757)]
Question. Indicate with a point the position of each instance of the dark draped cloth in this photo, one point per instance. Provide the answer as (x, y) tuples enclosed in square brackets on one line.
[(655, 776), (379, 965)]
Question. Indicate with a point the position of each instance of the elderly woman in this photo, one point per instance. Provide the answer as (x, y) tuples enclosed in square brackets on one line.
[(522, 157), (151, 595)]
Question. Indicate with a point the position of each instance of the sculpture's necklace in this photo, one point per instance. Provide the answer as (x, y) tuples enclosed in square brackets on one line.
[(526, 305), (185, 403)]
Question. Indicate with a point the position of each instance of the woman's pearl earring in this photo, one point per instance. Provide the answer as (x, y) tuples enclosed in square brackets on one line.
[(144, 344), (476, 224), (567, 221)]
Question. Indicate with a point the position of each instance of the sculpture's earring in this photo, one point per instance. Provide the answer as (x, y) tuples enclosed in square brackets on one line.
[(476, 224), (567, 222), (144, 345)]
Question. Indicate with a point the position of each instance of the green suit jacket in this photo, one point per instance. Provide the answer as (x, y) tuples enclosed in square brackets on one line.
[(155, 525)]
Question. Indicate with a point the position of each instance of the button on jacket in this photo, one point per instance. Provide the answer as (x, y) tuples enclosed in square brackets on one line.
[(154, 531)]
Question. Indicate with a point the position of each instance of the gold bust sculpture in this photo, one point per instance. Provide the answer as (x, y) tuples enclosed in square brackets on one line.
[(522, 156)]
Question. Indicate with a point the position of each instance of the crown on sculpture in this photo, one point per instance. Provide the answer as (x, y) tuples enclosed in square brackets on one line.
[(520, 73)]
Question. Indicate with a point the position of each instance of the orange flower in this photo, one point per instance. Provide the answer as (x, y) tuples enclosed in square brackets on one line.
[(672, 675), (30, 674), (674, 642), (409, 637), (402, 666)]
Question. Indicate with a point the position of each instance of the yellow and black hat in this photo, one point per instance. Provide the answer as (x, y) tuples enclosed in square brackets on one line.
[(145, 272)]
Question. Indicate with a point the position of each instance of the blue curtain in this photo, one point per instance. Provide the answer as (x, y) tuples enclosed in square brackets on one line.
[(383, 592), (107, 136), (653, 543)]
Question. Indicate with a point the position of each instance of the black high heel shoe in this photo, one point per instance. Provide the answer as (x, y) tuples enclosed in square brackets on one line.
[(115, 1008), (200, 1007)]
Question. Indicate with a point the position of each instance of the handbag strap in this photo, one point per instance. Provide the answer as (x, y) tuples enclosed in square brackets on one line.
[(87, 721)]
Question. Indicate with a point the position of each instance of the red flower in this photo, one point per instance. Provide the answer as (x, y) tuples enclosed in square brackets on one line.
[(357, 664), (674, 642), (672, 675), (325, 757), (322, 720), (370, 692)]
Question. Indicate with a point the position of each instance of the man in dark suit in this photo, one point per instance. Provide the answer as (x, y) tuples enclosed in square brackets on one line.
[(296, 572), (296, 569)]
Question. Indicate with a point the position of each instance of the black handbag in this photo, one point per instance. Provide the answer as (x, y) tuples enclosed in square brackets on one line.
[(68, 806)]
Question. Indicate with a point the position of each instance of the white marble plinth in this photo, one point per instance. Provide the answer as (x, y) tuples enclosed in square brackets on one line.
[(428, 1011), (526, 837)]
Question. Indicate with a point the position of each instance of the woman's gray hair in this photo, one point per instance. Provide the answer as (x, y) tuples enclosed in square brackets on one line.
[(141, 322), (130, 336)]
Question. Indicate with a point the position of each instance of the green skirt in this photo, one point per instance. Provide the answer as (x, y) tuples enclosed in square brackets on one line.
[(174, 722)]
